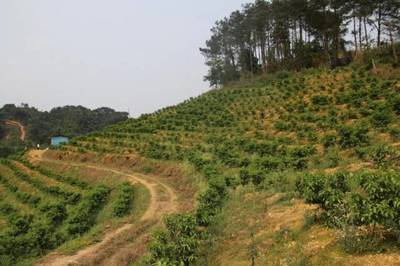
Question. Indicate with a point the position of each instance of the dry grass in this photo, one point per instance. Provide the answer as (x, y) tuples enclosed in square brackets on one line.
[(281, 236)]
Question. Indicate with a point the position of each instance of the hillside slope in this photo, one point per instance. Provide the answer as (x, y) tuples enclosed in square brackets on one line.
[(303, 121), (301, 169), (327, 136)]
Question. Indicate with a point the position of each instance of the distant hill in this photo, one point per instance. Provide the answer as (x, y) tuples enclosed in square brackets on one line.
[(68, 121)]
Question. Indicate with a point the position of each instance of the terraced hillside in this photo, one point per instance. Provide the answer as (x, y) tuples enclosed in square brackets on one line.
[(298, 122), (330, 137), (301, 169), (41, 210)]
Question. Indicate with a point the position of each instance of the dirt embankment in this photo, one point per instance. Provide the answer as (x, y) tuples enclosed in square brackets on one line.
[(16, 124)]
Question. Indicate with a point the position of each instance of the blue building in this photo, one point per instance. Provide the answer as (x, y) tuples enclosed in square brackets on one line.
[(58, 140)]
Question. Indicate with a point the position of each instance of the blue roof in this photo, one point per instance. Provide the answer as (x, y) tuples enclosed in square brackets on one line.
[(58, 140)]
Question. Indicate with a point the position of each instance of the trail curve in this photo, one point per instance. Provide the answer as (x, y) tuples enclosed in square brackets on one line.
[(158, 207)]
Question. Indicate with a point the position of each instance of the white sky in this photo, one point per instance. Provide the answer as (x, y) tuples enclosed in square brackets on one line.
[(139, 55)]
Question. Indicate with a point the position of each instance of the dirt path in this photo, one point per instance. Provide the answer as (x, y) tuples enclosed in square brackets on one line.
[(158, 207), (21, 128)]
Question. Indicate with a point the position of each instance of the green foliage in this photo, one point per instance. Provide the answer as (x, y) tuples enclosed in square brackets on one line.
[(264, 132), (381, 117), (210, 202), (352, 136), (54, 216), (382, 155), (24, 197), (123, 203), (333, 157), (320, 100), (83, 217), (252, 175), (67, 179), (282, 126), (395, 101), (178, 243), (69, 196), (329, 140), (373, 200), (56, 213)]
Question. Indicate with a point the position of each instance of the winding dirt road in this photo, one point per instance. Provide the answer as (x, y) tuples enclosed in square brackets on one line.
[(159, 206), (21, 128)]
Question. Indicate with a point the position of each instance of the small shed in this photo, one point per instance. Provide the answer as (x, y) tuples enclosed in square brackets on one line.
[(58, 140)]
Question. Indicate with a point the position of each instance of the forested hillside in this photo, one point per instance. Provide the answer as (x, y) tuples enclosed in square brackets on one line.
[(266, 36), (70, 121)]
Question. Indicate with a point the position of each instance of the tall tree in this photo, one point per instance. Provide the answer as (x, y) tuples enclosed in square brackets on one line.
[(291, 34)]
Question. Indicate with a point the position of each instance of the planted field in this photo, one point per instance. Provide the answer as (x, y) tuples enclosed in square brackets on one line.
[(330, 137), (41, 209), (301, 121), (304, 158)]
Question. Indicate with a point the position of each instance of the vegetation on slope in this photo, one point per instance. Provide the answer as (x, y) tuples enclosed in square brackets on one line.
[(41, 209), (279, 133)]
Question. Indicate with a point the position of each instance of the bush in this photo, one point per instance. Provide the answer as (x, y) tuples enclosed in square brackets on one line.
[(123, 203), (56, 213), (329, 140), (373, 198), (352, 136), (381, 117), (394, 132), (178, 244), (333, 157), (210, 202), (249, 174), (282, 126), (395, 101), (84, 215), (328, 192), (382, 154), (310, 187), (320, 100)]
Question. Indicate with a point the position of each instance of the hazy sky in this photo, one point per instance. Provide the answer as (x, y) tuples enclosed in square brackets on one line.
[(139, 55)]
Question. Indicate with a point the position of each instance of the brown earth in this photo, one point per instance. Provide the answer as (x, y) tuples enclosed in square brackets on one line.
[(21, 128)]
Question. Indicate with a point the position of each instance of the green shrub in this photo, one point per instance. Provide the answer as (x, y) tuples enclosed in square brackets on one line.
[(178, 244), (83, 217), (366, 199), (381, 117), (382, 154), (394, 132), (333, 157), (282, 126), (395, 101), (329, 140), (56, 212), (123, 203), (210, 202), (310, 187), (320, 100), (70, 180), (352, 136)]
